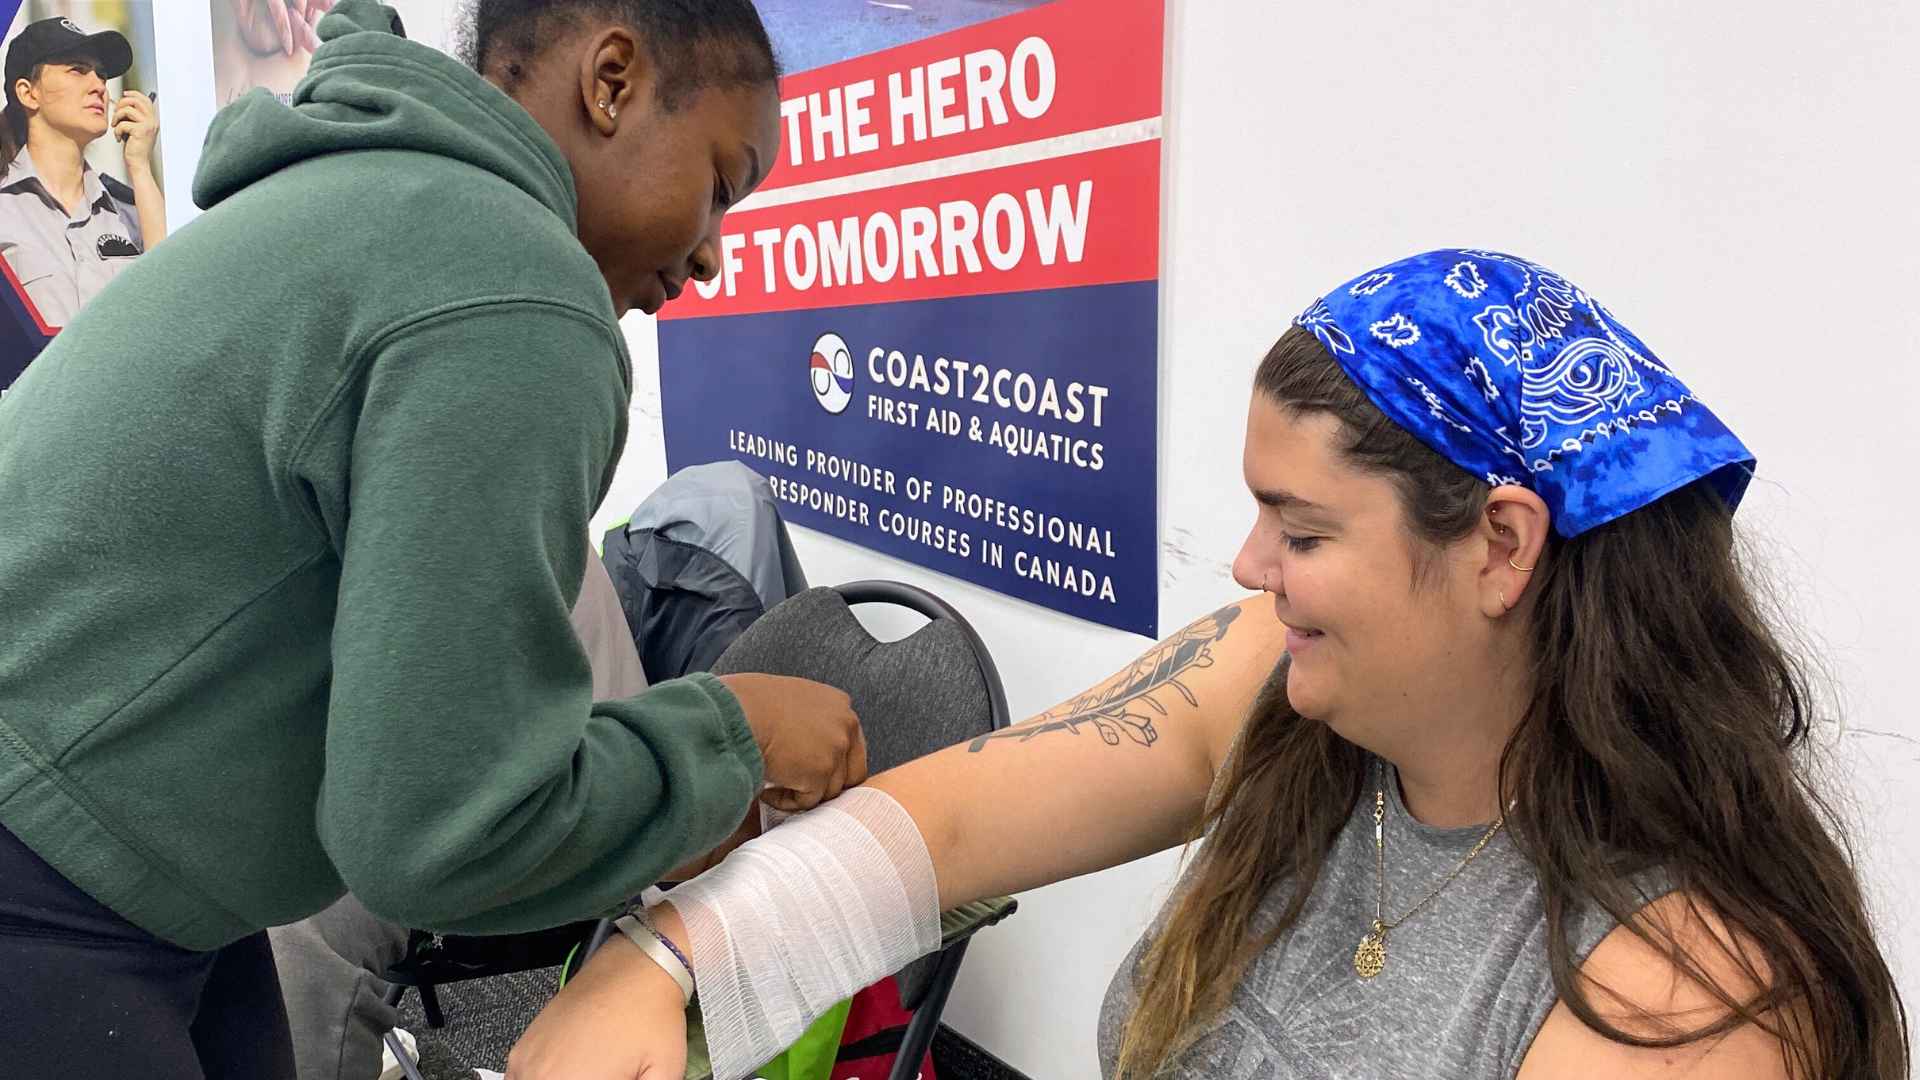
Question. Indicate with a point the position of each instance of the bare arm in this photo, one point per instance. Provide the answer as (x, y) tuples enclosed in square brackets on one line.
[(1637, 988), (138, 125), (1114, 774), (151, 205), (1120, 771), (1111, 775)]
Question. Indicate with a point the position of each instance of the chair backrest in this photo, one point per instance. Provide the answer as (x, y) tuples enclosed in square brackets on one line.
[(933, 688)]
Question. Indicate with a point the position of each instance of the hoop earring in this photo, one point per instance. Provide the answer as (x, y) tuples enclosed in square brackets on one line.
[(1517, 566)]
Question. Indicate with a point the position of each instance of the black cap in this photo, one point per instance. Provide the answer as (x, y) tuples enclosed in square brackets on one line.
[(60, 39)]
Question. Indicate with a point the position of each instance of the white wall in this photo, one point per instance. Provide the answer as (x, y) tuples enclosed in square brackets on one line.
[(183, 38), (1737, 181)]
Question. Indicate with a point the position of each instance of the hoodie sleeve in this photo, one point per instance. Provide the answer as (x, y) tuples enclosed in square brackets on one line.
[(472, 784)]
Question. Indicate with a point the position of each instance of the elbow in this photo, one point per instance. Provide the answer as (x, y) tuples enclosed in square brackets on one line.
[(395, 887), (398, 877)]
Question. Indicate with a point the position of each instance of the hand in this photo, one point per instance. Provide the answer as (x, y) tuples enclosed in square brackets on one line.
[(279, 26), (310, 12), (136, 123), (621, 1018), (808, 736)]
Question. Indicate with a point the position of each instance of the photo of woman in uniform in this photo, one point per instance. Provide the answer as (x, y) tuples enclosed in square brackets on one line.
[(80, 180)]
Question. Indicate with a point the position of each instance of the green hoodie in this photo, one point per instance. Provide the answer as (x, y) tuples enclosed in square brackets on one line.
[(291, 519)]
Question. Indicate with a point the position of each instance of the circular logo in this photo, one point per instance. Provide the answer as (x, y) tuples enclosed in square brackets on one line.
[(831, 373)]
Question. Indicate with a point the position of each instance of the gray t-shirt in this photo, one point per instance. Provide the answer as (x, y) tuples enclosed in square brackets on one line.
[(63, 259), (1464, 990)]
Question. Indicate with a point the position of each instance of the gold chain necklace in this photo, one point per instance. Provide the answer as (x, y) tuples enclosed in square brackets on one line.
[(1371, 956)]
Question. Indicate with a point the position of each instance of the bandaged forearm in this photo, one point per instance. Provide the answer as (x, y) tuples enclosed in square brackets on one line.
[(802, 918)]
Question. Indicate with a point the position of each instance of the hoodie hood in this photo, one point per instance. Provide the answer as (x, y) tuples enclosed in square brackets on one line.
[(369, 88)]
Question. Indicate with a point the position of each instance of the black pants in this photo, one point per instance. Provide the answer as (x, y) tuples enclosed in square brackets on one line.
[(87, 995)]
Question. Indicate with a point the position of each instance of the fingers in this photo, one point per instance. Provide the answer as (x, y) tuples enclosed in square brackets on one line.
[(282, 24), (809, 738), (133, 115), (857, 760), (310, 29), (305, 16), (840, 750), (789, 800), (846, 766), (851, 768), (836, 778)]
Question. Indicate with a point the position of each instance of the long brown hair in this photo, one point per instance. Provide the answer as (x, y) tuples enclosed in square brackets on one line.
[(13, 126), (1667, 730)]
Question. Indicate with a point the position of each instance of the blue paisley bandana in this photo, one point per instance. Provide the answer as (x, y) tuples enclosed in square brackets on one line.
[(1516, 374)]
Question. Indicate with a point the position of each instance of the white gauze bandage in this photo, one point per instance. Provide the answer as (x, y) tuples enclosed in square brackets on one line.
[(802, 918)]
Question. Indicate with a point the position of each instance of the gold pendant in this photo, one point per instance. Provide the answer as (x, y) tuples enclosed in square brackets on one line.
[(1371, 956)]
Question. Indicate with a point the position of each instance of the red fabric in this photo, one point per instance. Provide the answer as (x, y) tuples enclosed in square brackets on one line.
[(871, 1042)]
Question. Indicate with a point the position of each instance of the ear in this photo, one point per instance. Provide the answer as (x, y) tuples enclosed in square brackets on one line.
[(1515, 532), (616, 75), (25, 93)]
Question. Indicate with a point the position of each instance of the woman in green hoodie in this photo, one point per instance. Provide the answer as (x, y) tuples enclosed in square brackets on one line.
[(290, 537)]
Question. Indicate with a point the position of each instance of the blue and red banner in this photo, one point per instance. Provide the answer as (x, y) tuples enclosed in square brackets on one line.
[(936, 324), (23, 333)]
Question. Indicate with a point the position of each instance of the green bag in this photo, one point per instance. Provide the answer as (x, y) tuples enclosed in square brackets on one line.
[(813, 1056)]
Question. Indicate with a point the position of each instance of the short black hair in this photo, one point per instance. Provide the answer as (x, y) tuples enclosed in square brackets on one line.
[(695, 44)]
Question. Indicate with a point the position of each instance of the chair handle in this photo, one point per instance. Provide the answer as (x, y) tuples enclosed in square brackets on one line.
[(919, 600)]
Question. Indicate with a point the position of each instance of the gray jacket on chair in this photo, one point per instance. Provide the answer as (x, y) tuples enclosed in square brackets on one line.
[(701, 559)]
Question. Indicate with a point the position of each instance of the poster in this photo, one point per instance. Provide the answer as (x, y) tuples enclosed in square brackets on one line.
[(263, 44), (27, 243), (935, 327)]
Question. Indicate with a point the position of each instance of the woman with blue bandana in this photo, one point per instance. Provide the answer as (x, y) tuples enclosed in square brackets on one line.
[(1504, 775)]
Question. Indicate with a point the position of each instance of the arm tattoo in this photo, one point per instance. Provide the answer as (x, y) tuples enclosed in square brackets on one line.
[(1118, 706)]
